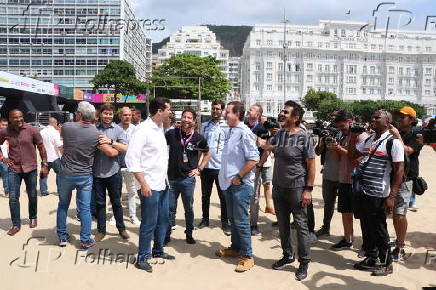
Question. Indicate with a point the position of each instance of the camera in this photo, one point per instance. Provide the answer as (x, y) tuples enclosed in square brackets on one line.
[(428, 133), (357, 128), (271, 123), (323, 129)]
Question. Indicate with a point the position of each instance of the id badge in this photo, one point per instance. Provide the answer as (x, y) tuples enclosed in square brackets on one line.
[(185, 157)]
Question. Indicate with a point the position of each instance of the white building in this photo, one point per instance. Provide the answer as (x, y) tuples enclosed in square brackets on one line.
[(195, 40), (234, 76), (343, 57)]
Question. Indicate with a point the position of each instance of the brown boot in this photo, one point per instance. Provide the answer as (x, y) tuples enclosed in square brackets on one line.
[(245, 264), (12, 231), (227, 252)]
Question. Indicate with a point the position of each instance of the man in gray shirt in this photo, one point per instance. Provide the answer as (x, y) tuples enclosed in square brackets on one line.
[(107, 173), (80, 144)]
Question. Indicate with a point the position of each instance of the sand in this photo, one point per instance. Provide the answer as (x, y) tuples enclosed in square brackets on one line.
[(32, 260)]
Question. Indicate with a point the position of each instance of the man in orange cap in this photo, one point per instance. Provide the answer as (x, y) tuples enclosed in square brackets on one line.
[(412, 148)]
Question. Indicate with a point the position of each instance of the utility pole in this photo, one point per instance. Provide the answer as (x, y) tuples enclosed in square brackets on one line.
[(285, 46)]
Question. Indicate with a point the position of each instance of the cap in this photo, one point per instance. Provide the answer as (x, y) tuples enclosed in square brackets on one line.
[(408, 111)]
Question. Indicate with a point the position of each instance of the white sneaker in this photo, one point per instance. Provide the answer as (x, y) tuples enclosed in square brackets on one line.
[(134, 220), (112, 221)]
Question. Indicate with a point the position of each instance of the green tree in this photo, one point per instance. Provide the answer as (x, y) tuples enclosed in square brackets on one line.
[(178, 77), (364, 109), (326, 107), (119, 75), (312, 100)]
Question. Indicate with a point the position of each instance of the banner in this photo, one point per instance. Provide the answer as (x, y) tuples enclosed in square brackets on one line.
[(16, 82)]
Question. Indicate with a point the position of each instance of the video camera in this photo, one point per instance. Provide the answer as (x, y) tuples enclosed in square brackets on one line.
[(357, 128), (271, 123), (428, 133), (326, 130)]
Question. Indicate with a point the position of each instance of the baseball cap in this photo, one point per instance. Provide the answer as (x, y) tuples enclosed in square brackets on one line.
[(408, 111)]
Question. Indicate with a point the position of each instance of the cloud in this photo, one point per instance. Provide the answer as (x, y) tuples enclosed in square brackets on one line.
[(243, 12)]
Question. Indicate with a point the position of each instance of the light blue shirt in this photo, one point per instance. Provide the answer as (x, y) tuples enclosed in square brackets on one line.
[(239, 148), (215, 135)]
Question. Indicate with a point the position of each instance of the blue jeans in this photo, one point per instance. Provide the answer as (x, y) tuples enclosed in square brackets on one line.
[(4, 169), (14, 182), (184, 187), (83, 186), (154, 223), (113, 185), (238, 202), (56, 166)]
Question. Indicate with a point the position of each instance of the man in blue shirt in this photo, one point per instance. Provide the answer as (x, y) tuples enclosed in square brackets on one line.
[(236, 178), (214, 132)]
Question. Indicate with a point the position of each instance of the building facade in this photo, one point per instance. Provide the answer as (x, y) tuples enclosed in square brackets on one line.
[(69, 41), (234, 76), (348, 58)]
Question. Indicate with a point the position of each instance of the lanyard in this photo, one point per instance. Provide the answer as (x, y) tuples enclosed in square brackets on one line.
[(184, 141)]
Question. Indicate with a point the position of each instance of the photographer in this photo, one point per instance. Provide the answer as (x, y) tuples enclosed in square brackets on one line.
[(406, 122)]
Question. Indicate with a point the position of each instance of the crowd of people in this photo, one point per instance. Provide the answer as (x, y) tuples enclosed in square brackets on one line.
[(371, 172)]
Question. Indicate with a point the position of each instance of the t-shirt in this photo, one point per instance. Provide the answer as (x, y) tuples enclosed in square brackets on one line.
[(409, 139), (80, 145), (376, 179), (347, 165), (291, 152), (331, 167), (177, 168)]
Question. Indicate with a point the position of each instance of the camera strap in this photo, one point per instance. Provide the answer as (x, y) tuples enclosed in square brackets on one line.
[(364, 165)]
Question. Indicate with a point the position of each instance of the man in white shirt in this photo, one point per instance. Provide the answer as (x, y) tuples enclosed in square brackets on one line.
[(3, 167), (54, 147), (147, 159)]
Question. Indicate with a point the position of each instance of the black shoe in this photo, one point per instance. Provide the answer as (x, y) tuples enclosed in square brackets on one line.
[(323, 231), (255, 231), (275, 224), (164, 256), (301, 273), (144, 265), (226, 229), (280, 264), (341, 245), (368, 264), (190, 240), (167, 240), (203, 224), (383, 271)]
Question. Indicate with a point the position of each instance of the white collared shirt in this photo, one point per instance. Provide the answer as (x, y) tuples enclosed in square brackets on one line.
[(148, 153), (52, 141)]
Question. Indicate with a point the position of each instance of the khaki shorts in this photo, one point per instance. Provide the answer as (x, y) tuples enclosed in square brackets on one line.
[(403, 198)]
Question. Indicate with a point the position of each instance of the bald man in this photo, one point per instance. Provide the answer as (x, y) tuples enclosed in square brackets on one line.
[(54, 147)]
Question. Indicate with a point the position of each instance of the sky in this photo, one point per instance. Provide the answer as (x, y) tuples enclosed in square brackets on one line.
[(176, 13)]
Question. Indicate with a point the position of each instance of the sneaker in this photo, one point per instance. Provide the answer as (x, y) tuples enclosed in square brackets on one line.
[(164, 256), (88, 245), (134, 220), (227, 252), (301, 273), (255, 231), (203, 224), (399, 255), (275, 224), (383, 271), (361, 254), (144, 265), (124, 235), (226, 229), (190, 240), (368, 264), (312, 238), (323, 231), (341, 245), (64, 242), (112, 221), (245, 264), (99, 237), (280, 264), (413, 208)]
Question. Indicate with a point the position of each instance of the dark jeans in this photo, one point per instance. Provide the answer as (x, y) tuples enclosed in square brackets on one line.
[(185, 188), (238, 201), (329, 194), (310, 218), (154, 223), (287, 202), (208, 177), (374, 229), (14, 182), (113, 185), (4, 170), (56, 166)]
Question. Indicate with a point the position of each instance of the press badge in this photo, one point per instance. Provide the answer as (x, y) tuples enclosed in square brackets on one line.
[(185, 157)]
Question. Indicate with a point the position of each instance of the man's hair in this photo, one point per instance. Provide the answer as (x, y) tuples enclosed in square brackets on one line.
[(387, 115), (342, 116), (158, 103), (87, 110), (259, 109), (219, 102), (188, 110), (52, 121), (125, 108), (297, 110), (3, 120), (14, 110), (106, 107), (238, 107)]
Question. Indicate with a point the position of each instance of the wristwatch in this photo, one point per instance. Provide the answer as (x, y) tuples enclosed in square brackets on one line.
[(309, 188), (44, 164), (200, 169), (112, 142)]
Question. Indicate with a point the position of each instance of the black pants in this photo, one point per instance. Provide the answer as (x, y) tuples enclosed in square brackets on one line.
[(329, 194), (374, 229), (208, 177), (310, 218)]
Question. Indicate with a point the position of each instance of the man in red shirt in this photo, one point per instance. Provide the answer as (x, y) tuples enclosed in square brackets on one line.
[(22, 163)]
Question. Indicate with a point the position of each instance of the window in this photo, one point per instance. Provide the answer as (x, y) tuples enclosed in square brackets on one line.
[(269, 65), (309, 78), (257, 66), (269, 87), (269, 76), (309, 66), (269, 42)]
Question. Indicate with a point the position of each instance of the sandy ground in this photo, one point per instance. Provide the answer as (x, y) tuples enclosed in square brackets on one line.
[(31, 259)]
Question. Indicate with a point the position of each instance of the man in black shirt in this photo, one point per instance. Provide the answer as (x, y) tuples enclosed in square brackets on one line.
[(185, 147), (412, 148)]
